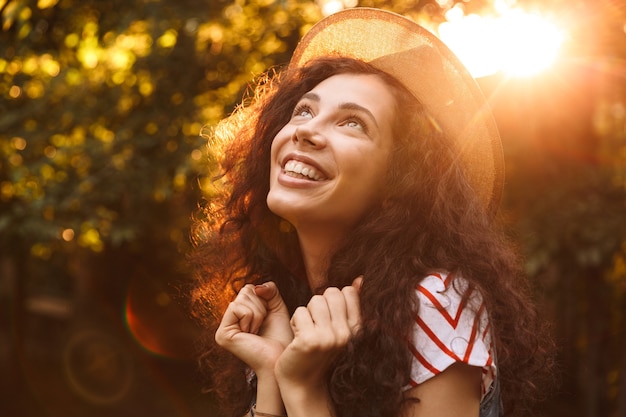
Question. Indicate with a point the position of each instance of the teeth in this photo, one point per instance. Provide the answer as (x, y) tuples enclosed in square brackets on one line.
[(295, 168)]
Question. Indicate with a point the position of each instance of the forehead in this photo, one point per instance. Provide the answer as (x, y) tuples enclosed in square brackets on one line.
[(364, 86), (363, 90)]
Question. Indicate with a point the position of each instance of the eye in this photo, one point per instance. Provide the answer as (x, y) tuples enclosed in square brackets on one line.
[(302, 110), (356, 122)]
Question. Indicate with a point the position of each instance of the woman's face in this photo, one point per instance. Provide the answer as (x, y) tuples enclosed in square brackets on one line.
[(329, 162)]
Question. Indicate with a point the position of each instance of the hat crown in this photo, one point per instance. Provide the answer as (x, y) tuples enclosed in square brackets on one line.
[(430, 71)]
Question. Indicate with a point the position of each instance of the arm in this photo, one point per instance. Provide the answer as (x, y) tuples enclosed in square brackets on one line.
[(321, 330), (255, 328), (453, 393)]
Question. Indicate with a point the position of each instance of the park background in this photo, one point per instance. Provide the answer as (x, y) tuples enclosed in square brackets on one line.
[(102, 166)]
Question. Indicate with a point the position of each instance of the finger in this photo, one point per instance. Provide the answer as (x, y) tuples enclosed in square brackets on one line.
[(341, 326), (358, 283), (270, 294), (301, 321), (336, 304), (319, 311), (254, 312), (353, 307), (236, 319), (248, 294), (244, 316)]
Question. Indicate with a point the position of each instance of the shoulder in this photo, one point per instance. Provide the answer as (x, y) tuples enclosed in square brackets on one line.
[(448, 297), (452, 326), (451, 314)]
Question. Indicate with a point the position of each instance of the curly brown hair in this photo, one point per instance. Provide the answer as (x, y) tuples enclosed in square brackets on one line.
[(429, 219)]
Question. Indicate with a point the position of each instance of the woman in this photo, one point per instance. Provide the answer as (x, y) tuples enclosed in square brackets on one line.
[(355, 226)]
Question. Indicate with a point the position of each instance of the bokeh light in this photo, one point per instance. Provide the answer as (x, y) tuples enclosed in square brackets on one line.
[(512, 40), (156, 321)]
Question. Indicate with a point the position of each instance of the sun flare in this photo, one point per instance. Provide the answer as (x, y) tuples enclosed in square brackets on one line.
[(513, 41)]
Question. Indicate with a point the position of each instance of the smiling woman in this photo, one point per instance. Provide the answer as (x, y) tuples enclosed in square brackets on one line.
[(353, 265), (342, 122)]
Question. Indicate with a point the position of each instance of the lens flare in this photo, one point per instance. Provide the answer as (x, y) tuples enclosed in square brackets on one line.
[(513, 41), (157, 322)]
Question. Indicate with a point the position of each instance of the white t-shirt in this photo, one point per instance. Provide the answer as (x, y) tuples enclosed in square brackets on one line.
[(452, 326)]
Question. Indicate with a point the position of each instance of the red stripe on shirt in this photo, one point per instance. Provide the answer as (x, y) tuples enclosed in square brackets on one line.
[(435, 339), (423, 360), (464, 299), (472, 339)]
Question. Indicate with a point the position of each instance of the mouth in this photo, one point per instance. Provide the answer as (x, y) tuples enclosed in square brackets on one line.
[(299, 169)]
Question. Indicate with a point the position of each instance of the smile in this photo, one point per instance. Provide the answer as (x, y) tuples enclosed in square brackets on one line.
[(297, 169)]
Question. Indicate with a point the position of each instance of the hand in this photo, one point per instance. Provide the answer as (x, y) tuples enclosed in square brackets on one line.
[(255, 327), (321, 330)]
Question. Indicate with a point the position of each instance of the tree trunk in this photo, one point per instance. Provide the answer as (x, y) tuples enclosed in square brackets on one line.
[(14, 277)]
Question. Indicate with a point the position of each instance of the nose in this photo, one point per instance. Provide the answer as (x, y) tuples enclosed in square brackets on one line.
[(308, 135)]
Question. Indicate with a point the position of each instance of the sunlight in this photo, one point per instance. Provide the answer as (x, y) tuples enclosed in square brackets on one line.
[(329, 7), (513, 41)]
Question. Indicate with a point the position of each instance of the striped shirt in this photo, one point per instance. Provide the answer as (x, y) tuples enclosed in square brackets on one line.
[(452, 326)]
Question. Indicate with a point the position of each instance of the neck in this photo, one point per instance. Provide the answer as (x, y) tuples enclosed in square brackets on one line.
[(317, 248)]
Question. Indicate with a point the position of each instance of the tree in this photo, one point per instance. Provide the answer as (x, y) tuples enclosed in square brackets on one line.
[(101, 162)]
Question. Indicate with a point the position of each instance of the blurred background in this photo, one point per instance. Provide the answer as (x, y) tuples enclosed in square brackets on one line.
[(102, 166)]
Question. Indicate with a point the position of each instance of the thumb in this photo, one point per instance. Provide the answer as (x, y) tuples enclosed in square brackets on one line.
[(269, 292), (358, 283)]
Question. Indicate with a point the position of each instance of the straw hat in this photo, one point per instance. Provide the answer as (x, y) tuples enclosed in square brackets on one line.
[(430, 71)]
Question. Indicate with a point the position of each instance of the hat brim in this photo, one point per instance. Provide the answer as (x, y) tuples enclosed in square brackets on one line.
[(431, 72)]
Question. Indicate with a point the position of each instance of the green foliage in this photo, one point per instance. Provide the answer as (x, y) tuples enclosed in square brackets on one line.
[(102, 105)]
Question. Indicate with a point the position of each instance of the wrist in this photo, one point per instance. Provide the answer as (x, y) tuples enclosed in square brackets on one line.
[(256, 413), (306, 401), (269, 401)]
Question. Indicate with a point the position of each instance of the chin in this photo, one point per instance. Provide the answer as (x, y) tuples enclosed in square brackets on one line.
[(278, 206)]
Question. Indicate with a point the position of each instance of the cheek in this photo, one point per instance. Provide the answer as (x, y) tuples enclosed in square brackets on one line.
[(273, 153), (378, 176), (283, 136), (274, 148), (277, 144), (367, 180)]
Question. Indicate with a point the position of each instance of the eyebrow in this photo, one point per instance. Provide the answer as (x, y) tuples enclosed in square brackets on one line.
[(344, 106)]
